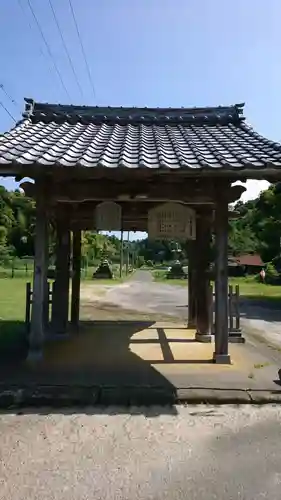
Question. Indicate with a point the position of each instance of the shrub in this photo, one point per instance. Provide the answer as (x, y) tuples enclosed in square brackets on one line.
[(149, 263), (270, 271)]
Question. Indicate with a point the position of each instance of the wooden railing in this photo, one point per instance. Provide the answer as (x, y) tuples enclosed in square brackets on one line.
[(234, 326), (29, 302)]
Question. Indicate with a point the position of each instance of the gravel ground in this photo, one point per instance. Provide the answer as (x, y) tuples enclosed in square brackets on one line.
[(195, 452)]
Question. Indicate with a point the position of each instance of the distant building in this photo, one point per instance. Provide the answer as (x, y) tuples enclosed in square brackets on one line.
[(244, 264)]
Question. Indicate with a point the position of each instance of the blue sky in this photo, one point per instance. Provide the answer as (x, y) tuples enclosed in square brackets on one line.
[(147, 53)]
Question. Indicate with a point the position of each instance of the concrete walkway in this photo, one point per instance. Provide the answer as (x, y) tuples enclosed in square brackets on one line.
[(131, 361), (127, 350)]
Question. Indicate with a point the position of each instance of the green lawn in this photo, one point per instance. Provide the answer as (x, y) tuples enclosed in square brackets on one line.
[(12, 296), (159, 275), (254, 290), (12, 299), (248, 287)]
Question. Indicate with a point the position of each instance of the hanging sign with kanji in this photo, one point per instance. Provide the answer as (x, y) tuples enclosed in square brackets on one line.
[(108, 216), (172, 221)]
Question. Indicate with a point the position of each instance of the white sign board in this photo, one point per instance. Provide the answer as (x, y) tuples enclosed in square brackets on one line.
[(172, 221), (108, 216)]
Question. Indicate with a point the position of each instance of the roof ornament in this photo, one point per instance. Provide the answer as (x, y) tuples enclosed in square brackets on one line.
[(29, 106)]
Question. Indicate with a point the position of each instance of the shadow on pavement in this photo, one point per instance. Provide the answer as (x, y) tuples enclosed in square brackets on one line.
[(100, 358), (267, 309)]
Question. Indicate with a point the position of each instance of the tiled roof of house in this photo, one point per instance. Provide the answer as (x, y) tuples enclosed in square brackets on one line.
[(186, 138), (246, 260), (249, 260)]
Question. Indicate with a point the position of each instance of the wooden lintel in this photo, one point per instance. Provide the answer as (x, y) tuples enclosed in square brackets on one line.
[(191, 191)]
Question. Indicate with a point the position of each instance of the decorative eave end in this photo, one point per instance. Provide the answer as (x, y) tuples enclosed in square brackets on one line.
[(29, 106)]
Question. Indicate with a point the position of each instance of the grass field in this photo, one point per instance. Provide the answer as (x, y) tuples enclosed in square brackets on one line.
[(159, 275), (26, 272), (253, 289), (248, 286)]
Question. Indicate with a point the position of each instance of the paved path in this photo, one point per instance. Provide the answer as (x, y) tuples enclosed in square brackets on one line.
[(190, 453), (260, 318), (141, 277), (141, 294)]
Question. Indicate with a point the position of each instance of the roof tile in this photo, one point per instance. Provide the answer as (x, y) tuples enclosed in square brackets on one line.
[(195, 138)]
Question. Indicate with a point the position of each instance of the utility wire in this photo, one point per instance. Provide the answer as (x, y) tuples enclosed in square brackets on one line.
[(8, 112), (8, 95), (33, 31), (83, 50), (65, 48), (48, 49)]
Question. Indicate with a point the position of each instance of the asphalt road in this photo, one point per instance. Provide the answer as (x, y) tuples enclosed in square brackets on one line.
[(141, 294), (189, 453)]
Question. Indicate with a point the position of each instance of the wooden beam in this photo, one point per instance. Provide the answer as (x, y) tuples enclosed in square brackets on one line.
[(128, 190), (192, 191)]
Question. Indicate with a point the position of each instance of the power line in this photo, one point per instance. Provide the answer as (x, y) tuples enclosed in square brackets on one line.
[(48, 49), (8, 112), (33, 31), (82, 49), (8, 95), (29, 24), (66, 49)]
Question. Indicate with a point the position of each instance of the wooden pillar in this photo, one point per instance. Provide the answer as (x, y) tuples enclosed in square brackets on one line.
[(121, 253), (47, 285), (203, 240), (221, 282), (61, 285), (191, 285), (76, 277), (36, 337), (128, 254)]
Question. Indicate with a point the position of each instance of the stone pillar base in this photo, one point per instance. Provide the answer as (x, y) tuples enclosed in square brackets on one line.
[(221, 359), (199, 337)]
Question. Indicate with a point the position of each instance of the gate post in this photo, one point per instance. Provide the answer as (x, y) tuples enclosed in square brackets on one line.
[(203, 239)]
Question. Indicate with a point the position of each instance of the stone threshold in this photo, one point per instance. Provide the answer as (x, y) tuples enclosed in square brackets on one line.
[(16, 397)]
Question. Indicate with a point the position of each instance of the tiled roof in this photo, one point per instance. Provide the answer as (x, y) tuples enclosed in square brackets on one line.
[(186, 138), (249, 260), (246, 260)]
